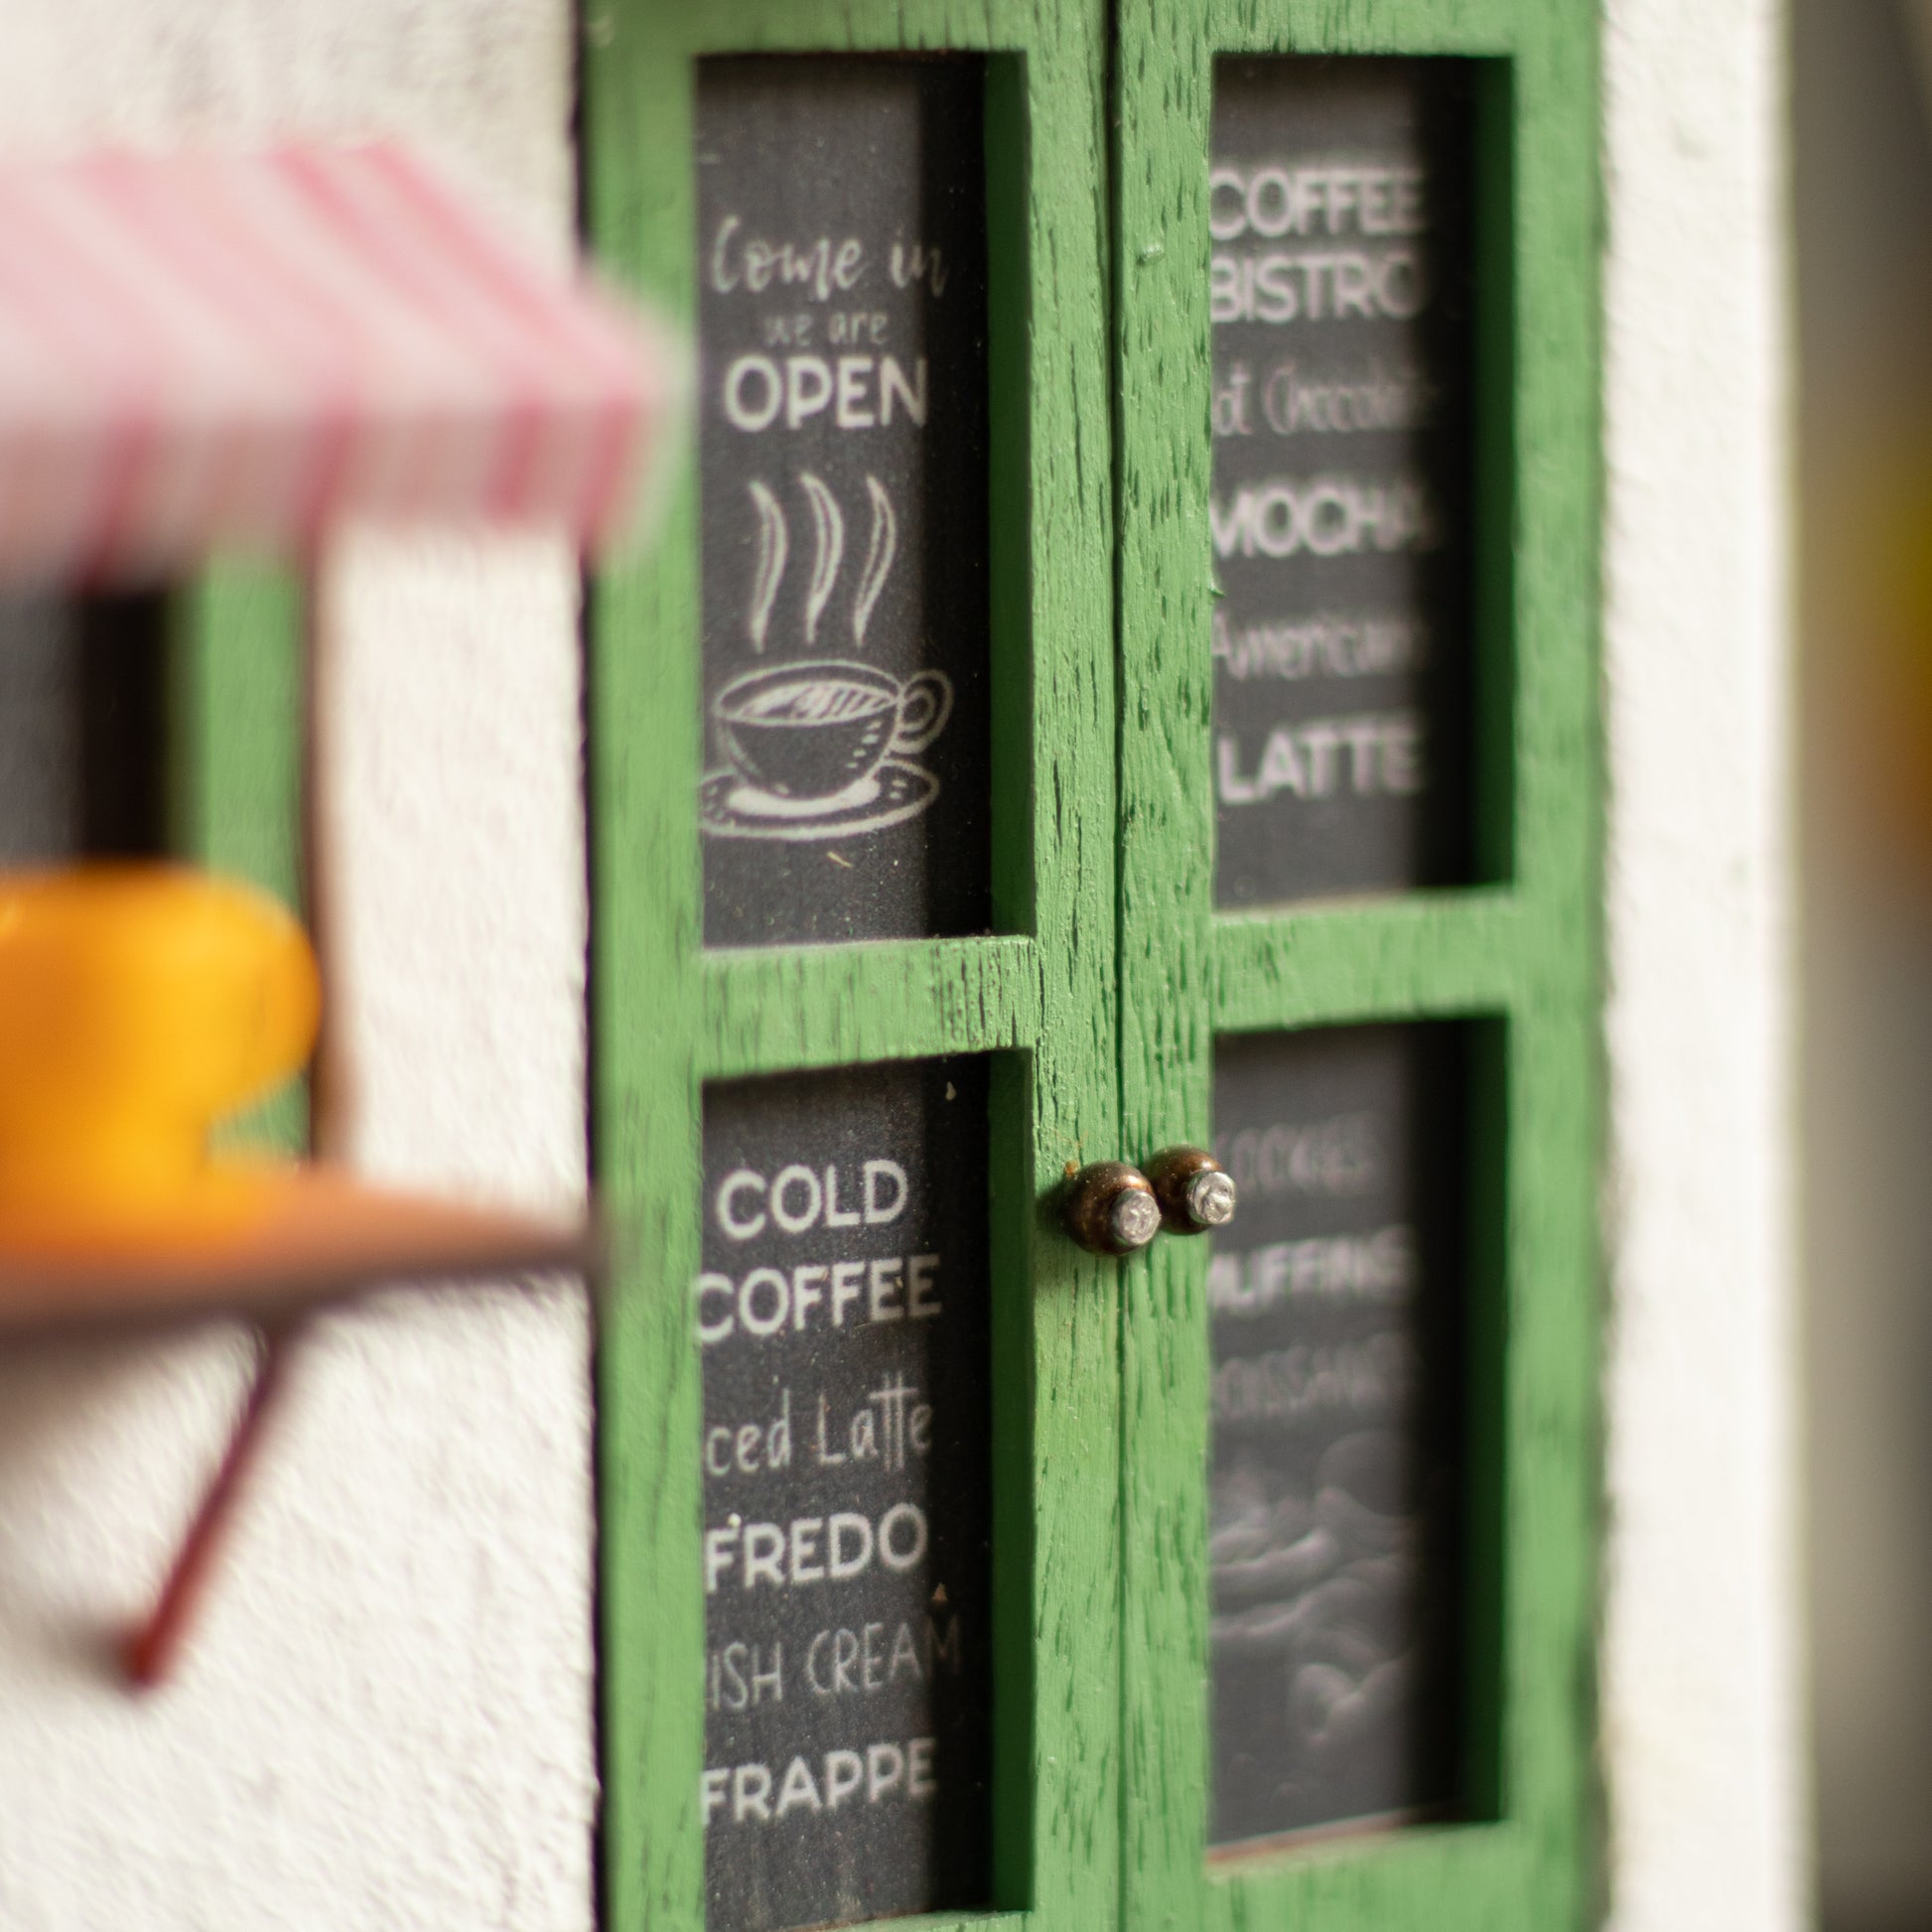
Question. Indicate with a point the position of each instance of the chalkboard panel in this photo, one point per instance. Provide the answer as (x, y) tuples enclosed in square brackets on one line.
[(1335, 1300), (843, 1320), (842, 468), (1342, 294)]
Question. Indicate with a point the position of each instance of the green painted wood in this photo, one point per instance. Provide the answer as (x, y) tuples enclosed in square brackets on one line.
[(1521, 955), (1101, 1755), (1042, 997), (1434, 954), (237, 730), (766, 1011)]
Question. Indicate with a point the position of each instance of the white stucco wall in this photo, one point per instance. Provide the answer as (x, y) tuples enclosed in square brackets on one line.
[(386, 1722), (1703, 1743)]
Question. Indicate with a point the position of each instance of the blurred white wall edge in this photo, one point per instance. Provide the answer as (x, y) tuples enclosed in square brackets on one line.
[(387, 1717), (1701, 1671)]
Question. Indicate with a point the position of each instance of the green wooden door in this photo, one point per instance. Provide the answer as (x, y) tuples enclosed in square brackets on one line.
[(1108, 976), (1508, 957), (1036, 994)]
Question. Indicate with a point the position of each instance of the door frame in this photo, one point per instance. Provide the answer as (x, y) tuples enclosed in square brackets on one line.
[(1517, 954)]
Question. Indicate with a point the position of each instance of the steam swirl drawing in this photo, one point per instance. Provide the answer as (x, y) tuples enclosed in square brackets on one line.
[(820, 748)]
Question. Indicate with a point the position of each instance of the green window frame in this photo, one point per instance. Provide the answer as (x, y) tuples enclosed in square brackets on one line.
[(1111, 977), (236, 681)]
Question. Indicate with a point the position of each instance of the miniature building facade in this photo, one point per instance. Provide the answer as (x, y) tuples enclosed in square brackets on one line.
[(1119, 669)]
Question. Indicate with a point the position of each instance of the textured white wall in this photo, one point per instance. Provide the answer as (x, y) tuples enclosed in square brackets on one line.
[(386, 1722), (1699, 1705)]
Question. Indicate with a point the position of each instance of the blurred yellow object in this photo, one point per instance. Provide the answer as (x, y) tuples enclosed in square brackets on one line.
[(139, 1005)]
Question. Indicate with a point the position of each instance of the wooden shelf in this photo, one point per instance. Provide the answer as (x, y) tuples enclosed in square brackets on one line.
[(321, 1238), (313, 1237)]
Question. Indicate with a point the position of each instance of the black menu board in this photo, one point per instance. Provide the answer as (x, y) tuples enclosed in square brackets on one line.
[(841, 1317), (843, 472), (1340, 295), (1335, 1308)]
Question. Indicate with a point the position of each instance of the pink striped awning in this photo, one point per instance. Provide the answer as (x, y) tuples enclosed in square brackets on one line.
[(201, 352)]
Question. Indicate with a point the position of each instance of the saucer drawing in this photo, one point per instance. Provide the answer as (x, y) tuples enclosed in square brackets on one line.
[(729, 808)]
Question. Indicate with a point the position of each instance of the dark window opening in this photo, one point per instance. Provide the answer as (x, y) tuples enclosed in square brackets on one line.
[(83, 728)]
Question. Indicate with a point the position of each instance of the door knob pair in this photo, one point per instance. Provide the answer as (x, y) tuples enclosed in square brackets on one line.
[(1112, 1208)]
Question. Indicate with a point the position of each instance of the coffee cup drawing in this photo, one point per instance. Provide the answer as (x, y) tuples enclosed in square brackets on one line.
[(822, 749)]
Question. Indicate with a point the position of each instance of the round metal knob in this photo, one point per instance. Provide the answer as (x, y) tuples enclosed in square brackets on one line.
[(1109, 1208), (1194, 1191)]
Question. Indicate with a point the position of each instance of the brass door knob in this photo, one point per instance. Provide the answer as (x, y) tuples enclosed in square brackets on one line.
[(1109, 1208), (1194, 1191)]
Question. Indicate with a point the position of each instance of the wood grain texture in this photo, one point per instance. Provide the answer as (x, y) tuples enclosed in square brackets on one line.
[(1427, 954), (664, 1017), (795, 1006), (1520, 954), (236, 762)]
